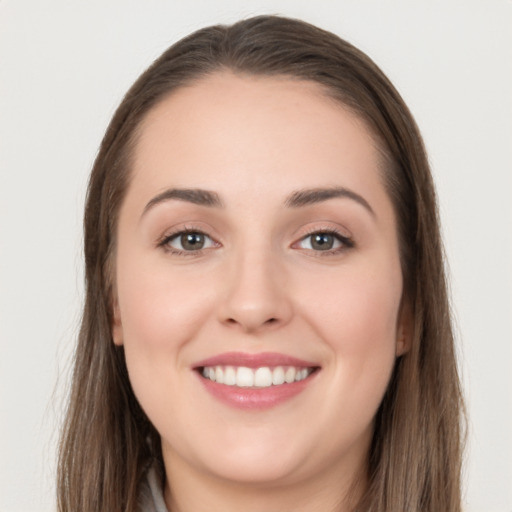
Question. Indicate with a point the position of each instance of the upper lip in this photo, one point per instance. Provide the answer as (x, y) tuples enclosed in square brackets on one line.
[(254, 360)]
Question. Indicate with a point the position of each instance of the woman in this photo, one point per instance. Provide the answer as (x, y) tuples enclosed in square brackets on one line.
[(266, 321)]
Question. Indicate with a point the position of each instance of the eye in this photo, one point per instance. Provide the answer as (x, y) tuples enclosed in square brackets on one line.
[(325, 241), (188, 241)]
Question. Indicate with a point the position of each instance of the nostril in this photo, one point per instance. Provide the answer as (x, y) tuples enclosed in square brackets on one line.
[(252, 325)]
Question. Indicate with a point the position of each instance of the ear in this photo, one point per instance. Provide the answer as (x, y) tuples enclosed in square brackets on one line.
[(405, 328), (117, 327)]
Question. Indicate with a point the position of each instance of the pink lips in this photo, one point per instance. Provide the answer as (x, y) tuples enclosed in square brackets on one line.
[(255, 398), (254, 360)]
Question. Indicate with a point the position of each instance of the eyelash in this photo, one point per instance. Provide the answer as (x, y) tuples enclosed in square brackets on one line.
[(345, 241), (165, 241)]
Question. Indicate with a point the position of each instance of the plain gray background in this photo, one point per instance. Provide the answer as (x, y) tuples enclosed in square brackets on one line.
[(64, 66)]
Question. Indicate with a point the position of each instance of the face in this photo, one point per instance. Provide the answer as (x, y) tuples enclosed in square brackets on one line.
[(258, 283)]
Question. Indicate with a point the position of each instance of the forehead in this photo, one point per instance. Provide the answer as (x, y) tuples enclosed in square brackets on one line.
[(254, 129)]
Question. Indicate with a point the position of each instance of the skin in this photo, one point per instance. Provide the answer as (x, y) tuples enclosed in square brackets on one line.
[(259, 286)]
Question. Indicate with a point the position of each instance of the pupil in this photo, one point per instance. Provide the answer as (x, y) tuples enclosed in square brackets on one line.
[(192, 241), (322, 242)]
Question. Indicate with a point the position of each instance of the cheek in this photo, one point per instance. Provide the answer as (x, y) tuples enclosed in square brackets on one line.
[(356, 316), (357, 311), (159, 309)]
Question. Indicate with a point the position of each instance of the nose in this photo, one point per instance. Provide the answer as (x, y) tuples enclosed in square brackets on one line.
[(256, 297)]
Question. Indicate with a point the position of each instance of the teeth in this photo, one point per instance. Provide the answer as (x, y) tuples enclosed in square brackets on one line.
[(229, 376), (244, 377), (289, 375), (278, 376), (263, 377), (301, 374)]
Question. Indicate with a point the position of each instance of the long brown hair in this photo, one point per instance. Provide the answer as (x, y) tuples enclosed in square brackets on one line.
[(414, 462)]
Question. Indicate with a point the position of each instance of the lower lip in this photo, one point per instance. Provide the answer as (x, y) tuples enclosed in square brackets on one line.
[(256, 398)]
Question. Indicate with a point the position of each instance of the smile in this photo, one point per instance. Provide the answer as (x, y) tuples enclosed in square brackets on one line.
[(255, 381), (262, 377)]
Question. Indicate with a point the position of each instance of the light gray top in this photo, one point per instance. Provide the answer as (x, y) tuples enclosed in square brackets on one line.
[(151, 498)]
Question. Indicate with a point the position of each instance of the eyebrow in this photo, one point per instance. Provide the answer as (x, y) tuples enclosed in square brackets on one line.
[(317, 195), (297, 199), (189, 195)]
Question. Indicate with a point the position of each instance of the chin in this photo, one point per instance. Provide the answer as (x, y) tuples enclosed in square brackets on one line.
[(257, 471)]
